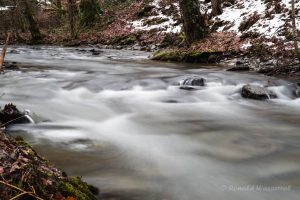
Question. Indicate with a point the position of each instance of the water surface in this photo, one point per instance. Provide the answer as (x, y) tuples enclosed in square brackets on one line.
[(122, 123)]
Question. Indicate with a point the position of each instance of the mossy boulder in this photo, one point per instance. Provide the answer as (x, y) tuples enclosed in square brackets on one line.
[(187, 56)]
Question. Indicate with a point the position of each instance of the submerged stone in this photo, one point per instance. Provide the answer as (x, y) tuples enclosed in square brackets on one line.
[(257, 92)]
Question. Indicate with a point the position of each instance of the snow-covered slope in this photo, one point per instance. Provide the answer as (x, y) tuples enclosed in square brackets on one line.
[(162, 22), (269, 18), (259, 17)]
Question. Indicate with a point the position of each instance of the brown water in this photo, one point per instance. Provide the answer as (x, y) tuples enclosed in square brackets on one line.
[(123, 124)]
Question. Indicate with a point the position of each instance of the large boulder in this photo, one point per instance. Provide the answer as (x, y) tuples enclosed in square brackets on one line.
[(257, 92), (192, 83)]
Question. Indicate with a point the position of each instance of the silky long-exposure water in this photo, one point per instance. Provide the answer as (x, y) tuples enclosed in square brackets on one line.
[(122, 123)]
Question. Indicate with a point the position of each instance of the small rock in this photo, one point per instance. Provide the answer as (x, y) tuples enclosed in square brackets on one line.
[(11, 65), (240, 65), (239, 68), (192, 83), (136, 48), (268, 63), (265, 69), (242, 62), (152, 48), (257, 92), (95, 52), (297, 93)]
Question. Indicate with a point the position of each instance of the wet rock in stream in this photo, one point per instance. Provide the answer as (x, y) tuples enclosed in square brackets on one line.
[(257, 92), (11, 115), (192, 83), (297, 90), (11, 65), (265, 67)]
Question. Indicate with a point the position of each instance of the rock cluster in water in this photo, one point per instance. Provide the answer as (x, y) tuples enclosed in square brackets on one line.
[(248, 91)]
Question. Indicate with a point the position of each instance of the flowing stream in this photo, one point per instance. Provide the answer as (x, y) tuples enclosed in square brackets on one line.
[(121, 122)]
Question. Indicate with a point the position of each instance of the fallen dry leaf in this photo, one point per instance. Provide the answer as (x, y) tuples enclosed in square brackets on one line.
[(70, 198)]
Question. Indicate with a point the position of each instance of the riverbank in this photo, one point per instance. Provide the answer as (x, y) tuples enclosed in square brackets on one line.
[(24, 174)]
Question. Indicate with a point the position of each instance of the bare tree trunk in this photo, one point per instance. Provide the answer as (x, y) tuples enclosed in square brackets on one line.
[(194, 24), (72, 20), (4, 52), (295, 29), (28, 14), (59, 9), (216, 7)]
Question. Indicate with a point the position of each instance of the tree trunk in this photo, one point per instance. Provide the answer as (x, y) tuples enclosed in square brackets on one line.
[(216, 7), (28, 14), (72, 21), (295, 35), (194, 25), (3, 53), (59, 9)]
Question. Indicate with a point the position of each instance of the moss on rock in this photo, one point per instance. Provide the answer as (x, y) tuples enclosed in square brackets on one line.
[(187, 56), (124, 40), (76, 188)]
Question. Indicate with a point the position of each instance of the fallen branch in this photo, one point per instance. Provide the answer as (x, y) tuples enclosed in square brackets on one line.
[(20, 190), (7, 123), (4, 52)]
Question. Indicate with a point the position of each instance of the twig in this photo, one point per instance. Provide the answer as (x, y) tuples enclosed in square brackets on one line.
[(19, 195), (20, 190)]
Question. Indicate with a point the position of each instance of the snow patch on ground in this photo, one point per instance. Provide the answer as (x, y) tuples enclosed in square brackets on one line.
[(5, 8), (169, 25)]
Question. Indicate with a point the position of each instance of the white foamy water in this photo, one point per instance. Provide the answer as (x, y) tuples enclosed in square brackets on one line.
[(123, 124)]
